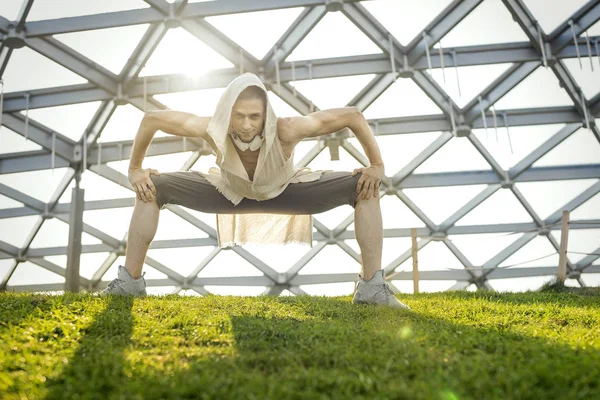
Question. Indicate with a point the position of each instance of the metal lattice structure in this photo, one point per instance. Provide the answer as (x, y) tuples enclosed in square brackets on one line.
[(410, 62)]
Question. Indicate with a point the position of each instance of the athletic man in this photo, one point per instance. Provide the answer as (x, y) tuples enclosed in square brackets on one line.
[(257, 176)]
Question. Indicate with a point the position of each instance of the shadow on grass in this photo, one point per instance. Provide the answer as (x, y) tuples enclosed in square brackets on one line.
[(555, 286), (16, 307), (96, 369), (567, 297), (333, 350)]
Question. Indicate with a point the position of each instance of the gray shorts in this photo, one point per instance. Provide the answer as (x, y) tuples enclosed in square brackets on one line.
[(190, 189)]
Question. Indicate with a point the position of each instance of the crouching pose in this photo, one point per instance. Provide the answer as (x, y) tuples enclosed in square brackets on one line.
[(257, 193)]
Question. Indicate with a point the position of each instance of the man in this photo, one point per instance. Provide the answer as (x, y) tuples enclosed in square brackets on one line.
[(258, 194)]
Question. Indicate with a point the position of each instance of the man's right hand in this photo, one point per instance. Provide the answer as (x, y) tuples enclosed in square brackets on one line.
[(142, 184)]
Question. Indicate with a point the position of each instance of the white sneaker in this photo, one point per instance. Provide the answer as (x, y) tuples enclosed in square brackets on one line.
[(376, 291), (125, 285)]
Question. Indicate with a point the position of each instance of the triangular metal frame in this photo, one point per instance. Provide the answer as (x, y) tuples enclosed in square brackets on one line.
[(410, 61)]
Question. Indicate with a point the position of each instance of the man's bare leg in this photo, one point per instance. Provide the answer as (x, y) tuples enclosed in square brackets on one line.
[(142, 229), (368, 224)]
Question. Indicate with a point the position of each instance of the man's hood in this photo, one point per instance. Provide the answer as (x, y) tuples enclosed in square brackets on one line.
[(218, 127)]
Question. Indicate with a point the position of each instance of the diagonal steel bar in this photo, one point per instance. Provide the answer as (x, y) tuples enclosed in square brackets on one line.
[(542, 150), (451, 16), (152, 15), (41, 135), (299, 29), (583, 18)]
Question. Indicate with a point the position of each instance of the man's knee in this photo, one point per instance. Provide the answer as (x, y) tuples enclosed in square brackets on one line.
[(373, 198), (160, 183)]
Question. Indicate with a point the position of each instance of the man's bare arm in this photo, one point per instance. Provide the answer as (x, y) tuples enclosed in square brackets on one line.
[(173, 122), (328, 121)]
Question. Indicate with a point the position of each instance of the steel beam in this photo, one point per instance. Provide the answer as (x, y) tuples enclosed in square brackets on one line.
[(299, 29), (367, 96), (542, 150), (469, 206), (221, 44), (75, 62), (150, 15), (584, 18), (421, 158), (374, 30), (142, 53), (587, 16), (321, 68), (5, 54), (445, 21), (326, 278), (416, 210), (72, 281), (29, 161), (585, 263), (40, 135), (573, 204), (500, 87), (344, 235)]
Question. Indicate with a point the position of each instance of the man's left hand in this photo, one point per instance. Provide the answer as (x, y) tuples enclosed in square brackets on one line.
[(368, 184)]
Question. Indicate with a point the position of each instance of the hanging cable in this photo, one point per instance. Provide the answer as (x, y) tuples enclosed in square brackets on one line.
[(542, 46), (589, 49), (483, 117), (575, 43), (584, 106), (504, 266), (277, 76), (441, 50), (53, 150), (585, 254), (505, 118), (241, 61), (495, 121), (294, 79), (427, 51), (26, 115), (145, 94), (392, 58), (453, 53)]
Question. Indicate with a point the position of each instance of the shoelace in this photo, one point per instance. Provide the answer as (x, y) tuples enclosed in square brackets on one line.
[(113, 283), (385, 289)]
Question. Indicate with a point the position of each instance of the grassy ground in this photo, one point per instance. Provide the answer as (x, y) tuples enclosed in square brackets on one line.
[(452, 345)]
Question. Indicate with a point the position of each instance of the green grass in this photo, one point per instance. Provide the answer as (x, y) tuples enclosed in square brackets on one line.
[(452, 345)]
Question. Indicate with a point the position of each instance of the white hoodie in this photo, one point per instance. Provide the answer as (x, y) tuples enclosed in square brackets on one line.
[(273, 174)]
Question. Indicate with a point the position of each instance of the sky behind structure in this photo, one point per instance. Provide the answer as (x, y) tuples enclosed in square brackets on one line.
[(180, 52)]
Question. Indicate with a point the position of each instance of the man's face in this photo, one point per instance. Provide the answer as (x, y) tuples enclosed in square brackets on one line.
[(247, 118)]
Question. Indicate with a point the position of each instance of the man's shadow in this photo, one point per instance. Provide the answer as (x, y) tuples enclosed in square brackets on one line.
[(574, 298), (98, 368), (16, 307), (266, 352)]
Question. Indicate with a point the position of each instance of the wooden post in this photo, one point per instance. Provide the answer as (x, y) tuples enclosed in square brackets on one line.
[(415, 260), (564, 238)]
